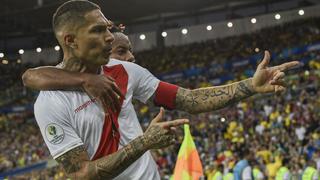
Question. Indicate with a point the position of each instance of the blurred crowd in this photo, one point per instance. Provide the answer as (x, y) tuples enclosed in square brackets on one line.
[(21, 143), (270, 130), (216, 52)]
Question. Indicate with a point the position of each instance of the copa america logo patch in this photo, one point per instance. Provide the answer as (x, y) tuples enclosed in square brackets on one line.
[(54, 133)]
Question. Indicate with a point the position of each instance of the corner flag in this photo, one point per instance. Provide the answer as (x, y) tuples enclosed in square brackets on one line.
[(188, 165)]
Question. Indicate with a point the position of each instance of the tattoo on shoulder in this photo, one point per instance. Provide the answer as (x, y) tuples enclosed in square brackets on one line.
[(71, 160)]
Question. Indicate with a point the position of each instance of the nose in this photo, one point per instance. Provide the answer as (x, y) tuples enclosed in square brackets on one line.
[(130, 57), (109, 37)]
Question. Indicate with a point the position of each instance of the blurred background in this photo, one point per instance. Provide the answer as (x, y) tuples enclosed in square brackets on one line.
[(192, 43)]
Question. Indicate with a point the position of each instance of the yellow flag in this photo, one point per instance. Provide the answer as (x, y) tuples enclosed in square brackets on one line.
[(188, 165)]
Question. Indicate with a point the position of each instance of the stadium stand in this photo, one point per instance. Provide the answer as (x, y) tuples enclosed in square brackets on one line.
[(273, 126)]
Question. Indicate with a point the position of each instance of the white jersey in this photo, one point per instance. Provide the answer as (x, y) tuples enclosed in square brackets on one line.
[(68, 119)]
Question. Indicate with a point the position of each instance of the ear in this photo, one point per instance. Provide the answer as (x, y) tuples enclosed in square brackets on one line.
[(70, 41)]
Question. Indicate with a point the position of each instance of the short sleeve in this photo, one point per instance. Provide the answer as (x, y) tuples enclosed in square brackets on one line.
[(53, 118), (145, 83), (165, 95)]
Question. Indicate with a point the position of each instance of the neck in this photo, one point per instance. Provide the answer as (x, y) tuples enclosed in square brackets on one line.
[(76, 65)]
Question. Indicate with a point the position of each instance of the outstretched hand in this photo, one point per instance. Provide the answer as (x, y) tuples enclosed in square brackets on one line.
[(270, 79), (162, 134)]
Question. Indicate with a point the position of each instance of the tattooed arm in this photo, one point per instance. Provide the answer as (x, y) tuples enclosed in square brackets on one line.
[(265, 80), (78, 166), (213, 98)]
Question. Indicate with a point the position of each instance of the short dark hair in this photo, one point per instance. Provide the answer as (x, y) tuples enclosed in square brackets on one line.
[(119, 35), (72, 13)]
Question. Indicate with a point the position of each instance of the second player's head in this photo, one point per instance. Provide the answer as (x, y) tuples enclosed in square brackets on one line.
[(121, 47), (83, 32)]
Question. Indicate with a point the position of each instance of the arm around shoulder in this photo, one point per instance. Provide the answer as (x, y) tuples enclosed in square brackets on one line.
[(51, 78)]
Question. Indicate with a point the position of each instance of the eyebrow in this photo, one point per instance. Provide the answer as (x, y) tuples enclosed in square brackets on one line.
[(98, 25), (101, 26), (123, 47)]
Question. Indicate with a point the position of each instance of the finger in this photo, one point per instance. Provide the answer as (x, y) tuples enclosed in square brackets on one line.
[(117, 90), (109, 78), (280, 82), (105, 106), (115, 100), (279, 89), (177, 122), (276, 89), (159, 117), (91, 96), (275, 73), (288, 65), (278, 76), (114, 86), (110, 101), (265, 62)]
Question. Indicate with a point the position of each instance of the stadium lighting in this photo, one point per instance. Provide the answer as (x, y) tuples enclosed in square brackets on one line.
[(1, 55), (19, 61), (209, 27), (21, 51), (301, 12), (38, 50), (277, 16), (184, 31), (230, 24), (5, 61), (256, 50), (164, 34), (57, 48), (223, 119), (142, 37), (253, 20)]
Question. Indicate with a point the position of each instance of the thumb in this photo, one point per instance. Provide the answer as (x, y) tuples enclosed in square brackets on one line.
[(265, 62), (159, 117)]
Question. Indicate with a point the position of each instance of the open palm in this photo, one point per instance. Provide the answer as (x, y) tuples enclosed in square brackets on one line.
[(270, 79)]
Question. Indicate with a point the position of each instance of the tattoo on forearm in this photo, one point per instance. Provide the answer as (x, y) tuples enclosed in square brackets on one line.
[(112, 165), (157, 137), (213, 98), (70, 160), (77, 165)]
